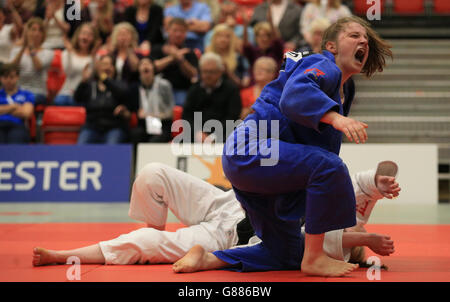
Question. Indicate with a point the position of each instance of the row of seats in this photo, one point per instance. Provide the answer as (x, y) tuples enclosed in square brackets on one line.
[(61, 124), (360, 7)]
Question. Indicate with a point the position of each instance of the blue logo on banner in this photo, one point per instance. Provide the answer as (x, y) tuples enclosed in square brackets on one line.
[(65, 173)]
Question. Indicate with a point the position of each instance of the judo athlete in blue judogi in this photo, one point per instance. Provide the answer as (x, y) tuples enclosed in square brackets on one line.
[(283, 160)]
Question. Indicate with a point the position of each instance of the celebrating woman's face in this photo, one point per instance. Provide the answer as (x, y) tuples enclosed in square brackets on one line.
[(35, 35), (222, 40), (85, 37)]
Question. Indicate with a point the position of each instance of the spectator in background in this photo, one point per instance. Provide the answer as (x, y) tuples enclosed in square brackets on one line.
[(228, 15), (198, 18), (175, 61), (236, 66), (313, 37), (268, 42), (215, 96), (57, 28), (153, 100), (107, 114), (125, 52), (8, 34), (265, 70), (104, 16), (147, 18), (33, 60), (78, 54), (313, 10), (24, 9), (285, 17), (16, 107)]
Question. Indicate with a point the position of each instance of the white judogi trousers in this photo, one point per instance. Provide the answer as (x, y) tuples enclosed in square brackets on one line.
[(210, 214)]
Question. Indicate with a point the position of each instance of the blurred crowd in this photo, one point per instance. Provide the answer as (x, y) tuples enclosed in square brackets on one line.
[(127, 60)]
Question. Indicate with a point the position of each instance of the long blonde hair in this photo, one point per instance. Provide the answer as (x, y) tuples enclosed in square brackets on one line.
[(230, 57)]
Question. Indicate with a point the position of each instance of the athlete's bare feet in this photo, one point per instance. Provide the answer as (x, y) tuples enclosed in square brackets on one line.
[(325, 266), (42, 256), (198, 259)]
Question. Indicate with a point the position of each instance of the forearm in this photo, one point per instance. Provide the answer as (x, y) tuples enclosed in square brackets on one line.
[(6, 109), (161, 64), (23, 112), (200, 27), (352, 239), (37, 64), (187, 69)]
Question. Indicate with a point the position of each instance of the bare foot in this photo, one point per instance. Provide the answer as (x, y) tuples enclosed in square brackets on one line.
[(325, 266), (198, 259), (42, 256)]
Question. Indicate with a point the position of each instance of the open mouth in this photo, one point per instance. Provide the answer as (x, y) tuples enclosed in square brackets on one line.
[(360, 53)]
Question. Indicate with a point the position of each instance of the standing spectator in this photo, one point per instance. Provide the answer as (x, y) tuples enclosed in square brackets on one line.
[(78, 54), (285, 17), (56, 26), (33, 60), (198, 18), (104, 98), (313, 10), (265, 70), (16, 107), (153, 99), (124, 43), (175, 61), (147, 18), (228, 15), (236, 66), (8, 34), (215, 96)]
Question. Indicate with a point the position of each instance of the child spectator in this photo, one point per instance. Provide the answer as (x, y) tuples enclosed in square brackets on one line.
[(16, 107)]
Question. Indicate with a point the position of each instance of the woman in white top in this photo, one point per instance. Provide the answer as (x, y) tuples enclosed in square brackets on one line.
[(33, 60), (8, 32), (56, 26), (332, 10), (77, 55)]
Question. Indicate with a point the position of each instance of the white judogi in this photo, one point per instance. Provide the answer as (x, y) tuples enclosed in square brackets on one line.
[(210, 214)]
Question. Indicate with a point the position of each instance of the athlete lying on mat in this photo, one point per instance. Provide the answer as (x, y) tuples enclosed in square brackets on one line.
[(214, 220)]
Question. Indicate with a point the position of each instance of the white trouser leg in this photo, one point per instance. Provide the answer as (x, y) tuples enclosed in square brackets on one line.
[(210, 214)]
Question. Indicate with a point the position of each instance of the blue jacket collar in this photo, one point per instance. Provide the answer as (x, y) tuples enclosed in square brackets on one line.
[(329, 55)]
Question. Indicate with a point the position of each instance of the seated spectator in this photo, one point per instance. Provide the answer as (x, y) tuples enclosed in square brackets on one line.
[(147, 19), (24, 9), (228, 15), (8, 34), (78, 54), (313, 38), (215, 97), (33, 60), (285, 17), (268, 43), (124, 50), (314, 10), (107, 114), (153, 100), (54, 20), (176, 62), (16, 107), (198, 18), (104, 16), (265, 70), (236, 66)]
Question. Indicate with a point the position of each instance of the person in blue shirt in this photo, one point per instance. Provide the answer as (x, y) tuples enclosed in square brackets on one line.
[(197, 16), (283, 160), (16, 107)]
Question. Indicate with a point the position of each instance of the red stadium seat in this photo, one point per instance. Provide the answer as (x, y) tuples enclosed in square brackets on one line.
[(61, 125), (133, 120), (442, 6), (409, 6), (177, 114), (360, 7)]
